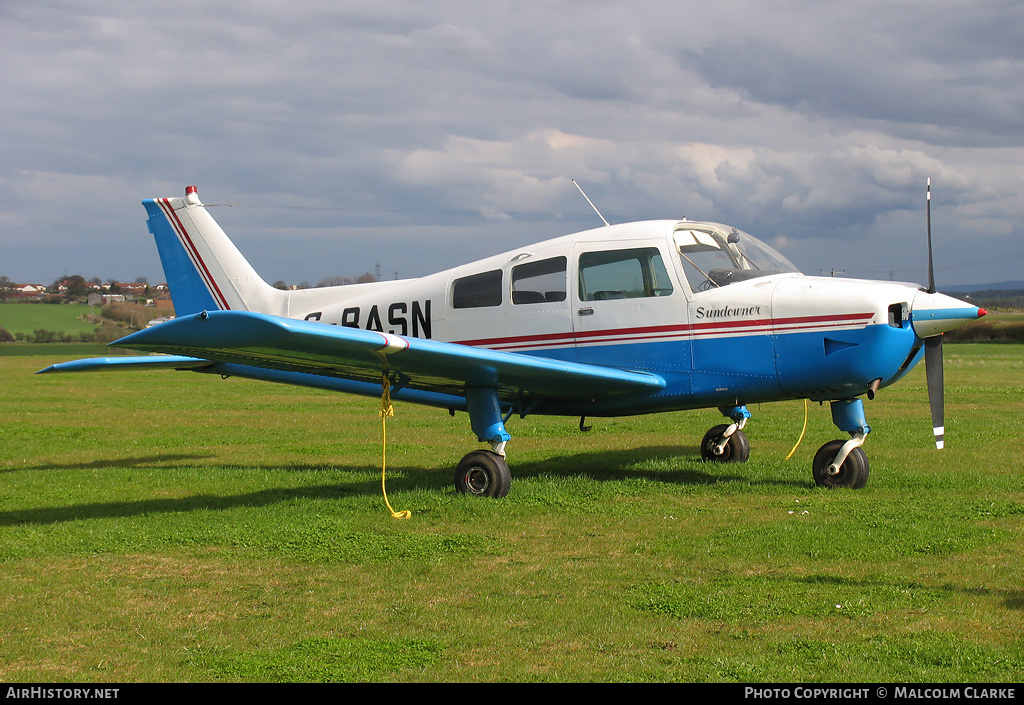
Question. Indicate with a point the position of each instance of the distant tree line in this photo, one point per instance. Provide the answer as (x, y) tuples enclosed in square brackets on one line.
[(985, 331), (997, 298), (40, 335), (77, 287), (328, 281), (73, 287)]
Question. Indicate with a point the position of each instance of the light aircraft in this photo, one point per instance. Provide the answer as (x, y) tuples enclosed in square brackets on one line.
[(623, 319)]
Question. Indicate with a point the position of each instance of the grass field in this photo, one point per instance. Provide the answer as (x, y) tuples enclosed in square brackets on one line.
[(179, 527), (26, 318)]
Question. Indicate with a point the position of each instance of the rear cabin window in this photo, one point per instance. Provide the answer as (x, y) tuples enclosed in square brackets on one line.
[(623, 274), (477, 290), (539, 282)]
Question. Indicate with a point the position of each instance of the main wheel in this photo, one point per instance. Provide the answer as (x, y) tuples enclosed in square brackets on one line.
[(853, 473), (737, 449), (483, 473)]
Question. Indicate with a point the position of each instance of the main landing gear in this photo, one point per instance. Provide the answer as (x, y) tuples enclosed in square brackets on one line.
[(726, 443), (836, 464), (484, 472)]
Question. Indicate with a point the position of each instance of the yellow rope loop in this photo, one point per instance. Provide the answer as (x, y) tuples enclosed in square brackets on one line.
[(386, 410), (801, 433), (385, 398)]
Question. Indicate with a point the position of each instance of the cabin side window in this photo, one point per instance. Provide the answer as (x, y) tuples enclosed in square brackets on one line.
[(477, 290), (539, 282), (623, 274)]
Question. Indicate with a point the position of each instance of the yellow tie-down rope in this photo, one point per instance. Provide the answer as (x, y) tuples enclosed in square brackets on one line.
[(801, 433), (387, 410)]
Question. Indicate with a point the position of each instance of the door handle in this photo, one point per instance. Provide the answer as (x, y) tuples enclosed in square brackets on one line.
[(587, 311)]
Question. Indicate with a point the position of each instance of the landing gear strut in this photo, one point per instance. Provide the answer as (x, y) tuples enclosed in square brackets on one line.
[(484, 472), (842, 463), (726, 443)]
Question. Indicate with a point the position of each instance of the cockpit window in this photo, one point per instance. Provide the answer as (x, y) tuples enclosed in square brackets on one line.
[(713, 256)]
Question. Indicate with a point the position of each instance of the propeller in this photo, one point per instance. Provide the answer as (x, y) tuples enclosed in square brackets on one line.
[(933, 372), (933, 347)]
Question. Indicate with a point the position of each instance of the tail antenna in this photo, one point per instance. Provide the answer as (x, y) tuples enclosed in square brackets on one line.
[(607, 224)]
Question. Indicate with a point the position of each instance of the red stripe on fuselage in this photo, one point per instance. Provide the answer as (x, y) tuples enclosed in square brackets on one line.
[(617, 335)]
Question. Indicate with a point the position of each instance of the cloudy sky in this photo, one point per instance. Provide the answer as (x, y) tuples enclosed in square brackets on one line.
[(418, 135)]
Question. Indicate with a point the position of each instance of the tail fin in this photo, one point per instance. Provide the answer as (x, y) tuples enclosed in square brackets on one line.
[(204, 270)]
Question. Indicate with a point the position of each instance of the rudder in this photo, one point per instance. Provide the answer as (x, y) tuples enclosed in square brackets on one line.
[(204, 270)]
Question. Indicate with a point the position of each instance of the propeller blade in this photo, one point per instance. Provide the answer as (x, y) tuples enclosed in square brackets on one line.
[(933, 371), (928, 210)]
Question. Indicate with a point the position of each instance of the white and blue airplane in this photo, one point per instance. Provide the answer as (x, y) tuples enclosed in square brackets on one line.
[(624, 319)]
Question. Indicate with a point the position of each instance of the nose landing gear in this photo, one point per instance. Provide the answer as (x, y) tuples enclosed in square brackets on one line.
[(852, 472), (842, 463)]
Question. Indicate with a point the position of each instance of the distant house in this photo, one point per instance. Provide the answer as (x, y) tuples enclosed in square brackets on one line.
[(132, 290), (29, 290), (102, 299), (163, 303)]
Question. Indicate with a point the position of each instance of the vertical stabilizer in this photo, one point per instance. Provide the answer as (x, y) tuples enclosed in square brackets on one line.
[(204, 270)]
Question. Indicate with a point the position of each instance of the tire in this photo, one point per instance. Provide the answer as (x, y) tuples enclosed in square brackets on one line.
[(483, 473), (737, 450), (853, 473)]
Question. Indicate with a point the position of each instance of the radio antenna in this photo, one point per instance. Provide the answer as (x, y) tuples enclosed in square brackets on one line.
[(607, 224)]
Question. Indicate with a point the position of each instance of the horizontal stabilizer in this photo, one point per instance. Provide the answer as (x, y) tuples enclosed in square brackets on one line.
[(277, 343), (119, 364)]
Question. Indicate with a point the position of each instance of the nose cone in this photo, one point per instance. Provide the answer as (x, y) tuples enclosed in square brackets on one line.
[(934, 314)]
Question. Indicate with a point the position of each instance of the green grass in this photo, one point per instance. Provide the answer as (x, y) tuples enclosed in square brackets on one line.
[(26, 318), (180, 527)]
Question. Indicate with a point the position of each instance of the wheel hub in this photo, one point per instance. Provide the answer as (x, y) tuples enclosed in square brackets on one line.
[(477, 481)]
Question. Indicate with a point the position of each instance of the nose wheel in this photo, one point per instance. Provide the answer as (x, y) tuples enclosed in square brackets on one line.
[(852, 472), (843, 463)]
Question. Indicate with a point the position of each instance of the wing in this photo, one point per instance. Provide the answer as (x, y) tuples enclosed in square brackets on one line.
[(294, 346)]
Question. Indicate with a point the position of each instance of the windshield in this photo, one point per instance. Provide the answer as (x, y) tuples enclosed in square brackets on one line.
[(715, 255)]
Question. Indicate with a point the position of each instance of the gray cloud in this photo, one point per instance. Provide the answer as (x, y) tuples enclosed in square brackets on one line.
[(384, 127)]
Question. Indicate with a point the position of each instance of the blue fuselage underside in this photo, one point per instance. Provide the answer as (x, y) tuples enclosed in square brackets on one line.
[(700, 373)]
